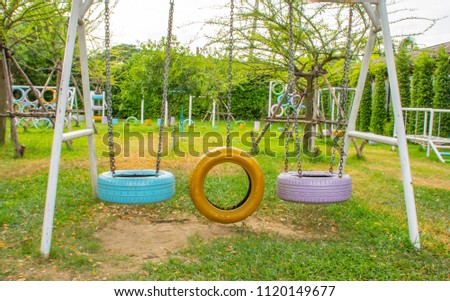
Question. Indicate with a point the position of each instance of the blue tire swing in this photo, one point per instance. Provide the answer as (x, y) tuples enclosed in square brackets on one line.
[(134, 186), (315, 187), (239, 209)]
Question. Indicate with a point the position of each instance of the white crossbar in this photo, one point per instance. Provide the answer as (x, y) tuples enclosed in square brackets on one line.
[(373, 137), (77, 134)]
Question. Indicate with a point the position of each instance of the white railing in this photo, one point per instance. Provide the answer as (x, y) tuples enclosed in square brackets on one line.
[(430, 135)]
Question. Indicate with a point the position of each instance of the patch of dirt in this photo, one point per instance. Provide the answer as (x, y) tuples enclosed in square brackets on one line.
[(157, 240)]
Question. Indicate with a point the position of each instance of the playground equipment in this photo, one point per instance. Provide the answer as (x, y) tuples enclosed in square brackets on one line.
[(329, 104), (377, 13), (375, 9), (315, 186), (431, 136), (245, 207), (215, 112), (99, 106), (125, 184), (135, 186), (27, 104)]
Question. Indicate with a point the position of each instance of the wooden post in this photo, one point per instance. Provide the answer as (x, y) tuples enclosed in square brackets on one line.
[(7, 81)]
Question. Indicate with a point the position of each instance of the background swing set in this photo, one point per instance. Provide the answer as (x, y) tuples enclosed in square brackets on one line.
[(376, 11)]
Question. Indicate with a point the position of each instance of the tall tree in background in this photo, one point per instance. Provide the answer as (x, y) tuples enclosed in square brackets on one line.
[(404, 65), (442, 89), (378, 118), (422, 85), (365, 110)]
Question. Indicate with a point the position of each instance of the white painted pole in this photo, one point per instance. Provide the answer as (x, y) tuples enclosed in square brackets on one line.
[(87, 103), (190, 110), (351, 126), (214, 113), (430, 131), (332, 109), (142, 110), (55, 160), (425, 123), (270, 99), (400, 128)]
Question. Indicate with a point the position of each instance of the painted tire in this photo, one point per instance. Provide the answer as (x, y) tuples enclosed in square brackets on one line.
[(295, 100), (187, 121), (136, 187), (28, 107), (278, 89), (42, 123), (246, 206), (281, 110), (314, 187), (133, 120), (239, 122), (29, 93), (53, 96), (289, 110), (21, 91)]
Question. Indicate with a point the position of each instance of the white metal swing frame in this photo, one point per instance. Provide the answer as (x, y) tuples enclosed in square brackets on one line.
[(376, 10)]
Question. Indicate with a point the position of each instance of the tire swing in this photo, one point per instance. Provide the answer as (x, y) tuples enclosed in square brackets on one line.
[(316, 187), (135, 186), (242, 208)]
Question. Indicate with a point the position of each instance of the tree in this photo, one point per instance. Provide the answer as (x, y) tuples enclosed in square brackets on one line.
[(404, 70), (422, 85), (262, 34), (378, 118), (442, 89), (365, 110), (13, 14)]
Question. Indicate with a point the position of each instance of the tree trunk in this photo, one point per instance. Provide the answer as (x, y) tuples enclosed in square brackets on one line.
[(309, 111), (3, 97)]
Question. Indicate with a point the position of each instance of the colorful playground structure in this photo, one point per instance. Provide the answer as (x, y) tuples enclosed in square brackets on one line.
[(157, 185)]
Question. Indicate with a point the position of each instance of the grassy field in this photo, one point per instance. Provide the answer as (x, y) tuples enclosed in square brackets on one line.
[(365, 238)]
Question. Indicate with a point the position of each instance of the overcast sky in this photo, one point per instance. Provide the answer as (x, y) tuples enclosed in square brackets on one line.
[(140, 20)]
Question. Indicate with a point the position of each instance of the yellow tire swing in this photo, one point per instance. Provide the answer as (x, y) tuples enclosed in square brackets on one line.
[(241, 209)]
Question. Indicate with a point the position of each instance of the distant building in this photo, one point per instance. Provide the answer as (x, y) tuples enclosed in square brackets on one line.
[(432, 49)]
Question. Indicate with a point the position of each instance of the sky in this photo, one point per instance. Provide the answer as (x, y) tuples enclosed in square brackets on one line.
[(136, 21)]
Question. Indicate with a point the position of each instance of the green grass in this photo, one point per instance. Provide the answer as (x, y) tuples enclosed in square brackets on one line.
[(363, 239)]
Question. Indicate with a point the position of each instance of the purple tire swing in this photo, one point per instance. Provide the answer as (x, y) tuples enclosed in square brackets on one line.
[(315, 187)]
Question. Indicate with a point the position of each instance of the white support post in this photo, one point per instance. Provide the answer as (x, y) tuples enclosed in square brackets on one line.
[(50, 201), (351, 126), (430, 132), (214, 113), (190, 110), (142, 110), (425, 123), (87, 102), (270, 99), (399, 128)]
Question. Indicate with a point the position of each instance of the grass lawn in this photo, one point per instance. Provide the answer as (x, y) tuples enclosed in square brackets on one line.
[(365, 238)]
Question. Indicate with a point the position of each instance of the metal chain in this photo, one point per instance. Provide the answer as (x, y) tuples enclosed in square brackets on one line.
[(109, 111), (290, 87), (230, 72), (343, 105), (165, 87)]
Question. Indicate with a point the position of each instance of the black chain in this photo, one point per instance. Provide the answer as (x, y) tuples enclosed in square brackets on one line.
[(230, 72), (343, 104), (166, 86), (109, 111)]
